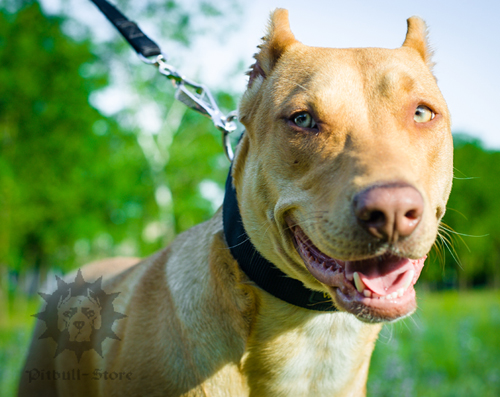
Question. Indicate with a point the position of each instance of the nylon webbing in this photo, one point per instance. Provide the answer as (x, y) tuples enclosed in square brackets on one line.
[(129, 30)]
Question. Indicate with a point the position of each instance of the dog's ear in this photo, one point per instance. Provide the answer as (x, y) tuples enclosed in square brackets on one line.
[(64, 298), (416, 38), (278, 38), (92, 296)]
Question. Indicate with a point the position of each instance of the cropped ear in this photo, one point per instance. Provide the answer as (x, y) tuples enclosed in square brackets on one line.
[(278, 38), (64, 298), (416, 38)]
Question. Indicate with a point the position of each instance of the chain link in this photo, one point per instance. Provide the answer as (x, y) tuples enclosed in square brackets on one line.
[(197, 97)]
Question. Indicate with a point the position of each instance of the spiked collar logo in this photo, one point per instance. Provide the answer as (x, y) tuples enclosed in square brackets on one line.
[(79, 316)]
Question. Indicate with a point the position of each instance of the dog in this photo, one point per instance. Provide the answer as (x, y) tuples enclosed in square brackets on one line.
[(79, 316), (332, 204)]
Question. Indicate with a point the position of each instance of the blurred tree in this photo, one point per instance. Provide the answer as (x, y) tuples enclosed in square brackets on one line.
[(470, 239), (66, 172), (75, 185), (475, 213)]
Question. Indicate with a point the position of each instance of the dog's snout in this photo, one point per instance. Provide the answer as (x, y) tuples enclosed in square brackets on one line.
[(79, 324), (389, 212)]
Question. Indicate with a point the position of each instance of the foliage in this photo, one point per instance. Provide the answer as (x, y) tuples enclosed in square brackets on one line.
[(16, 329), (75, 185), (65, 171), (473, 250)]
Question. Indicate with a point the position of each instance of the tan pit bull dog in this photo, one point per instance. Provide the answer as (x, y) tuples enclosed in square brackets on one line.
[(340, 181)]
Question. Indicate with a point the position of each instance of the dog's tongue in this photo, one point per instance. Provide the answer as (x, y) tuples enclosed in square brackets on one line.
[(384, 275)]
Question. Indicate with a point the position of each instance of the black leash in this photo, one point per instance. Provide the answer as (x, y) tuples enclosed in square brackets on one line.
[(141, 43), (196, 96)]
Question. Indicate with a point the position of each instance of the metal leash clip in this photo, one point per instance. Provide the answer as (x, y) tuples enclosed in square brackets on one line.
[(197, 97)]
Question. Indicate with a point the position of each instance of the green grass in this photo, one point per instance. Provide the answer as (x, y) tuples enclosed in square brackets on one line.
[(16, 324), (450, 347)]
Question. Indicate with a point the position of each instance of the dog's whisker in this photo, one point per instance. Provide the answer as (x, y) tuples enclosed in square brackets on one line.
[(458, 212), (452, 235), (448, 229), (464, 176), (439, 249), (413, 318), (452, 251)]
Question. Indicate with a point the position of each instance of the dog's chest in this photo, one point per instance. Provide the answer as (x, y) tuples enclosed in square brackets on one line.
[(317, 358)]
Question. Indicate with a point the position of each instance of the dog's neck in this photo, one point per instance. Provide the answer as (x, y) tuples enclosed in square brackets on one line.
[(297, 352), (260, 270)]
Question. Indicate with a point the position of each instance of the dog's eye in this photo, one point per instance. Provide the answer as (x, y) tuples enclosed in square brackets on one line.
[(304, 120), (423, 114)]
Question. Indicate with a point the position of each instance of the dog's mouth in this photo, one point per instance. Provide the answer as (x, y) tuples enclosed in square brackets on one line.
[(375, 289)]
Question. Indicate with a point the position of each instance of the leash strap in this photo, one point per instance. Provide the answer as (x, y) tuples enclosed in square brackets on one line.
[(141, 43), (260, 270), (193, 95)]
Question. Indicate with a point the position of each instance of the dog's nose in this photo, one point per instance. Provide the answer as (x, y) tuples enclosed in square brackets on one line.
[(389, 211), (79, 324)]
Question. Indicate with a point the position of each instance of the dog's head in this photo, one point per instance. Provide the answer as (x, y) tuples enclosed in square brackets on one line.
[(345, 169), (79, 315)]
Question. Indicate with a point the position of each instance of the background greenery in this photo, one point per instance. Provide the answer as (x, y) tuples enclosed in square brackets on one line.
[(77, 185)]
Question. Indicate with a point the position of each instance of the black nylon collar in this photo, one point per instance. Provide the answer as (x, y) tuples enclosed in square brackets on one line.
[(260, 270)]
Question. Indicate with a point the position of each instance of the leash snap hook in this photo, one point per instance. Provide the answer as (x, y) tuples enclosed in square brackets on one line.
[(163, 67), (193, 95), (229, 126), (200, 99)]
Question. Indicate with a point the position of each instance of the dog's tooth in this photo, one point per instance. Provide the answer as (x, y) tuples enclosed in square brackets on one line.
[(400, 292), (410, 279), (382, 297), (367, 293), (360, 286)]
